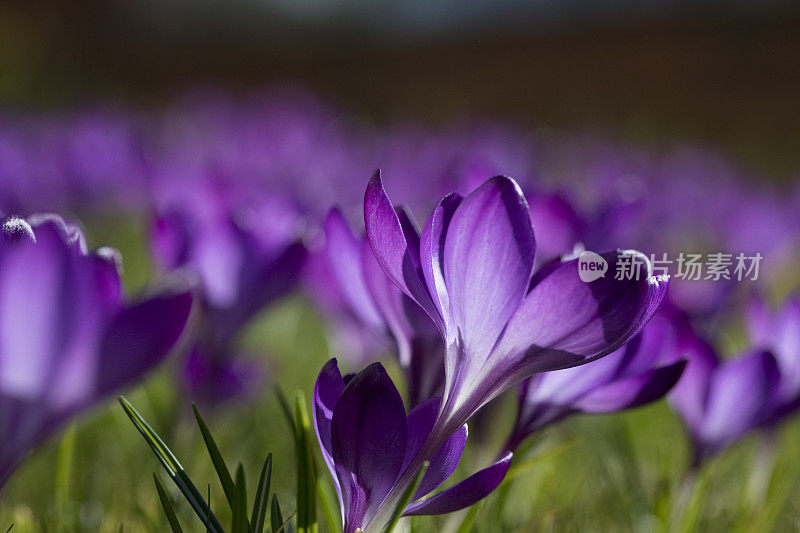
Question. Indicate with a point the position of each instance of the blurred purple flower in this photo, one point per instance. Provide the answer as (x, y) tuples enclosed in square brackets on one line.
[(91, 159), (384, 310), (632, 376), (778, 332), (472, 269), (99, 155), (283, 141), (368, 441), (246, 247), (67, 338), (721, 401)]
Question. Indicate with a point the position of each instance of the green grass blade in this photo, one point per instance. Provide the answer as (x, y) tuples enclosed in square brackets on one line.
[(405, 499), (285, 526), (240, 523), (275, 516), (173, 468), (306, 472), (468, 523), (209, 509), (63, 480), (261, 501), (329, 505), (286, 409), (166, 504), (216, 458)]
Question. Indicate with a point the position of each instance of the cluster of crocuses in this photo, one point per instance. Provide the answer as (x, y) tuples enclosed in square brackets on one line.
[(249, 201)]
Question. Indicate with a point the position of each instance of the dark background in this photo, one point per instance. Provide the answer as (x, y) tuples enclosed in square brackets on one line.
[(656, 72)]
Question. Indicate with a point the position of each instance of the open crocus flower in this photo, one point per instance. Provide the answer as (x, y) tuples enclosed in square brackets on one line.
[(67, 338), (368, 441), (245, 247), (382, 308), (471, 270), (637, 374)]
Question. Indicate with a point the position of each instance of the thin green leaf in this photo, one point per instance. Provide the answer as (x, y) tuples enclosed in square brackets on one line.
[(216, 458), (469, 519), (240, 523), (329, 507), (261, 501), (173, 468), (275, 516), (285, 524), (286, 409), (209, 508), (405, 499), (306, 471), (63, 479), (166, 504)]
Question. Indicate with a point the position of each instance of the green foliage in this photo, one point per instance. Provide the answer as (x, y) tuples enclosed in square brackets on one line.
[(306, 470), (173, 468), (235, 489), (166, 504)]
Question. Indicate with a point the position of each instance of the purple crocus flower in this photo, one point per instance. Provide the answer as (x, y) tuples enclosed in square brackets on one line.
[(67, 338), (383, 309), (634, 375), (246, 248), (471, 270), (368, 441), (778, 332), (720, 401)]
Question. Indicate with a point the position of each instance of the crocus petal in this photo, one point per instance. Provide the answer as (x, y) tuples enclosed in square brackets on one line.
[(470, 491), (268, 278), (563, 387), (218, 258), (633, 391), (344, 256), (758, 319), (565, 321), (388, 301), (739, 391), (169, 238), (399, 258), (369, 433), (327, 390), (690, 395), (419, 345), (562, 322), (35, 318), (783, 340), (432, 242), (558, 227), (106, 263), (140, 337), (488, 262), (445, 461)]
